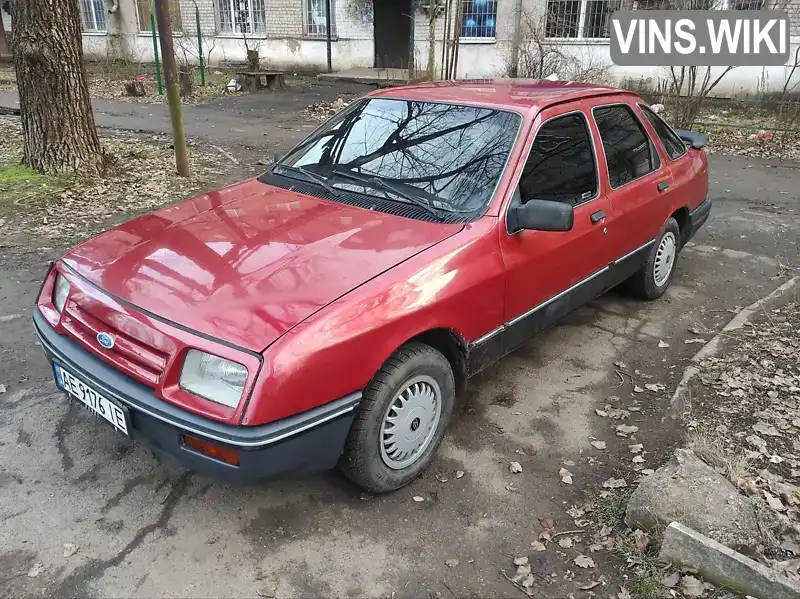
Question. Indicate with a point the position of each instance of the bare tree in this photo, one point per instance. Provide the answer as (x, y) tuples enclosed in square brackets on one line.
[(57, 121)]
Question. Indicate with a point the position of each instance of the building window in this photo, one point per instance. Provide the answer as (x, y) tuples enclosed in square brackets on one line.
[(144, 8), (479, 19), (93, 15), (314, 18), (241, 16), (584, 19), (747, 4)]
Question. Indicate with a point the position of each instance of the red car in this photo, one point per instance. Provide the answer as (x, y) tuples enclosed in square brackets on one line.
[(330, 311)]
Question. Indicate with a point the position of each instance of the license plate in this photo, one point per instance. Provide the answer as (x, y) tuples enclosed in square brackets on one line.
[(96, 403)]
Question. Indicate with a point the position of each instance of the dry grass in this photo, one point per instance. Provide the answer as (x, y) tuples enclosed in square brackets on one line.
[(711, 448)]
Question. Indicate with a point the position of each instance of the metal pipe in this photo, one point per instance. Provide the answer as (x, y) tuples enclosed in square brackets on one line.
[(200, 45), (155, 51), (328, 31)]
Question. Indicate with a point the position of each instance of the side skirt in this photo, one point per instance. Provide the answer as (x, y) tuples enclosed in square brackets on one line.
[(498, 343)]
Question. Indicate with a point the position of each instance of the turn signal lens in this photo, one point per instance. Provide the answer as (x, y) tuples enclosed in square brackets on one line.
[(60, 293), (223, 454)]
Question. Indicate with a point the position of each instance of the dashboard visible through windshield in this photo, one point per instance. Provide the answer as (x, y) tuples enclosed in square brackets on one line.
[(445, 158)]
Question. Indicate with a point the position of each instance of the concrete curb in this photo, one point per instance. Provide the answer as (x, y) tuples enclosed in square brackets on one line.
[(723, 566), (712, 348)]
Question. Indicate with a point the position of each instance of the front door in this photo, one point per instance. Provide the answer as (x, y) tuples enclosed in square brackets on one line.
[(549, 274), (392, 30)]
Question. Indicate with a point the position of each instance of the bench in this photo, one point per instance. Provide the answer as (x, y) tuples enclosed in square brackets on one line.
[(255, 80)]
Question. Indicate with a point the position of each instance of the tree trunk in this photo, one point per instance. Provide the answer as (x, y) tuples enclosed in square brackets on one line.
[(57, 121)]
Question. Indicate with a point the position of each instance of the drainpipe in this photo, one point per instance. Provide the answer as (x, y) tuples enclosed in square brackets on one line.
[(328, 30), (516, 40)]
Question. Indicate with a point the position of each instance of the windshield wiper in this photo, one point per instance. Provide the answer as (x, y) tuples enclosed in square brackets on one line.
[(309, 175), (388, 187)]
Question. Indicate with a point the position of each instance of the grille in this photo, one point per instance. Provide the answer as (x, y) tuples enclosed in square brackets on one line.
[(131, 355)]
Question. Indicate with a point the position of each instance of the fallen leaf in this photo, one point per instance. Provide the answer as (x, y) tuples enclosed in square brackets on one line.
[(459, 473), (575, 512), (606, 530), (545, 536), (2, 388), (538, 546), (672, 580), (515, 467), (624, 430), (566, 542), (442, 478), (691, 586), (590, 585), (598, 444), (654, 387), (776, 459), (547, 522), (637, 389), (35, 570), (451, 563), (775, 503), (418, 499), (583, 561), (521, 561), (766, 429), (569, 463), (70, 549), (638, 459), (512, 488), (636, 448), (623, 593), (601, 413), (615, 483), (640, 539), (595, 547), (695, 340), (662, 344), (566, 476)]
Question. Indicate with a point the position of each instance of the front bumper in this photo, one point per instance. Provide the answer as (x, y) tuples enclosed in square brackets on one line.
[(307, 442)]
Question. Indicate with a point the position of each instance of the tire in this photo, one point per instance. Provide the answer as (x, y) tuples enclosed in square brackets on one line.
[(652, 280), (403, 389)]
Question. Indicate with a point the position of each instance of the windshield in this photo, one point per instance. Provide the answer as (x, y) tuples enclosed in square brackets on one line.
[(450, 157)]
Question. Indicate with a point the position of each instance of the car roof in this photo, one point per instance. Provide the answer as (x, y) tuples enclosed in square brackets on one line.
[(514, 94)]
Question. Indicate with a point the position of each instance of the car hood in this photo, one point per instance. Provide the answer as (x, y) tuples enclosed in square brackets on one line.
[(248, 262)]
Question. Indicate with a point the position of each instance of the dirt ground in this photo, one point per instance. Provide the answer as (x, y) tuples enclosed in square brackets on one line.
[(146, 528)]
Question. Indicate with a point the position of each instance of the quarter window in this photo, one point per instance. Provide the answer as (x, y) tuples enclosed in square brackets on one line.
[(629, 154), (672, 143), (561, 166)]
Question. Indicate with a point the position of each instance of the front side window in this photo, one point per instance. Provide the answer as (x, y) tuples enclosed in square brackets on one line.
[(629, 154), (241, 17), (93, 16), (561, 165), (479, 18), (672, 143), (315, 18), (448, 156)]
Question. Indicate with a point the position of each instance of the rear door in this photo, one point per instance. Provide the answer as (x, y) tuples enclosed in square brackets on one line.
[(637, 178), (549, 273)]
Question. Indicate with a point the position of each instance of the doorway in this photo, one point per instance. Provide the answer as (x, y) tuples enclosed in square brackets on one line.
[(392, 30)]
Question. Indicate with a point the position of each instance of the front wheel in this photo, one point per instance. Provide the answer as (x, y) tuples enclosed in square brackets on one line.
[(652, 281), (401, 420)]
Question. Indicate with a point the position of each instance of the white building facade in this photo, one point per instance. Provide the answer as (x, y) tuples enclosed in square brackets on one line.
[(291, 35)]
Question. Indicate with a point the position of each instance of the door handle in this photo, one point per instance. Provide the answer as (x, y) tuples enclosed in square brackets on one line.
[(597, 216), (662, 185)]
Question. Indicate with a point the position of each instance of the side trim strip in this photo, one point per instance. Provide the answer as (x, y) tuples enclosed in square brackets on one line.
[(558, 296)]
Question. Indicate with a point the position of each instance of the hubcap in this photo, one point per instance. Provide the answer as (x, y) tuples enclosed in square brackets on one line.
[(665, 259), (410, 422)]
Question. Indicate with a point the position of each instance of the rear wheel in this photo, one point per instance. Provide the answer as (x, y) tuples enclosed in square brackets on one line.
[(652, 281), (401, 420)]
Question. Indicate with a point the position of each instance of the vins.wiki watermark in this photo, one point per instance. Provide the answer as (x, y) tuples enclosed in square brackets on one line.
[(699, 37)]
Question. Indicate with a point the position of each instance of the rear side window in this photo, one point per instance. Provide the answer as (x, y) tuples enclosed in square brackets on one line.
[(561, 166), (672, 143), (629, 154)]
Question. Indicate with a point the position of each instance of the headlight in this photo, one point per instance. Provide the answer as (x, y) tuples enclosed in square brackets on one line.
[(216, 379), (60, 293)]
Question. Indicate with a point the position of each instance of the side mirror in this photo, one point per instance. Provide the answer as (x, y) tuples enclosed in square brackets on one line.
[(540, 215)]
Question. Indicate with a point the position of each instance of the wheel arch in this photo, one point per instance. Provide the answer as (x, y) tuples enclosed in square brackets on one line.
[(452, 346), (681, 216)]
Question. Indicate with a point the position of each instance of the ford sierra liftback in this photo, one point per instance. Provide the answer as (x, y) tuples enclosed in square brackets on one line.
[(329, 312)]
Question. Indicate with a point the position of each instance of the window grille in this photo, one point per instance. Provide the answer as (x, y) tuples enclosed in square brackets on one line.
[(93, 15), (579, 18), (479, 18), (314, 16), (143, 11), (241, 16)]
